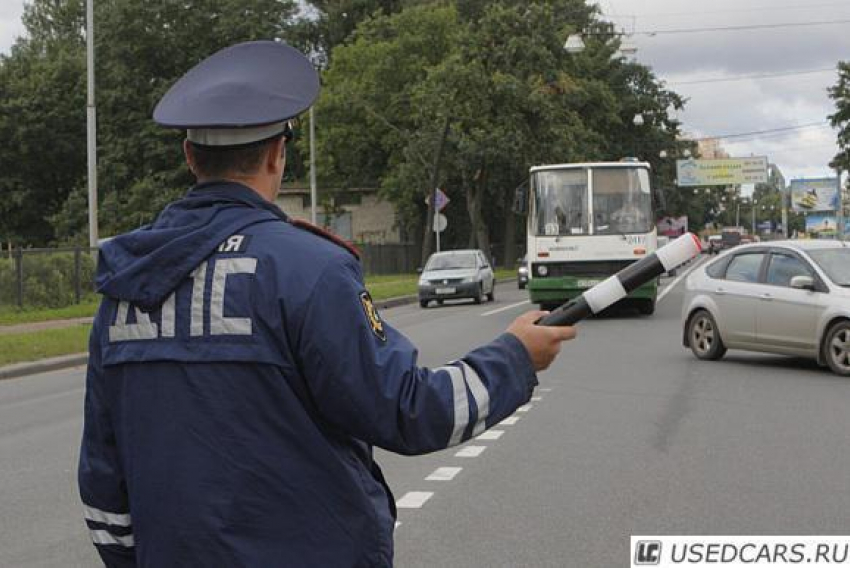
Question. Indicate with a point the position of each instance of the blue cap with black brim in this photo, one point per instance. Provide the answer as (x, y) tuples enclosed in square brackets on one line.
[(242, 94)]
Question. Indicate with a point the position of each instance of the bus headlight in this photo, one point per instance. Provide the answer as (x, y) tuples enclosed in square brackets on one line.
[(542, 270)]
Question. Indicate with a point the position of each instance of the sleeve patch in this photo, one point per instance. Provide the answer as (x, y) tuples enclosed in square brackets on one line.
[(372, 316)]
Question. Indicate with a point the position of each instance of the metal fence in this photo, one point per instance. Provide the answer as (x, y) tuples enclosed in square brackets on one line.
[(48, 278), (58, 277), (389, 258)]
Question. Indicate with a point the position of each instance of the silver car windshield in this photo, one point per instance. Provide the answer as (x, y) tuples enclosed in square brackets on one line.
[(835, 262), (451, 261)]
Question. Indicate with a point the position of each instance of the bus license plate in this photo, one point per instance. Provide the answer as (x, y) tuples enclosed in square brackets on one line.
[(446, 290), (587, 283)]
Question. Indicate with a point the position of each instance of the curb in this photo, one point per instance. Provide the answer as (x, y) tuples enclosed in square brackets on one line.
[(45, 365)]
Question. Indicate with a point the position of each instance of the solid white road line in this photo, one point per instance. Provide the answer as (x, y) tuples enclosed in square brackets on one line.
[(525, 408), (444, 474), (505, 308), (414, 499), (673, 284), (490, 435), (510, 420), (470, 451)]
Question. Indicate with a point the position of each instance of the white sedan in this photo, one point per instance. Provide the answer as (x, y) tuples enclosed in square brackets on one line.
[(786, 297)]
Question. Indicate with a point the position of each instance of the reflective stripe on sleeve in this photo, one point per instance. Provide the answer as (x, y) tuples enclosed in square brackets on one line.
[(481, 396), (461, 403), (105, 537), (105, 517)]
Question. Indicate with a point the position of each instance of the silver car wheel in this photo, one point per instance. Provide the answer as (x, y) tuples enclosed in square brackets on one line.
[(839, 350), (702, 336)]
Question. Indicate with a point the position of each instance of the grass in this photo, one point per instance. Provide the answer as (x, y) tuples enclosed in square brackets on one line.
[(12, 316), (20, 347)]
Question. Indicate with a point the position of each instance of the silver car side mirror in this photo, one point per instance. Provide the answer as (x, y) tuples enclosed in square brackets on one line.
[(803, 283)]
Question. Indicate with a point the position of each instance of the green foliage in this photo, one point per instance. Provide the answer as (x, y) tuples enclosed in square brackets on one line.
[(840, 93), (141, 49), (20, 347), (49, 280)]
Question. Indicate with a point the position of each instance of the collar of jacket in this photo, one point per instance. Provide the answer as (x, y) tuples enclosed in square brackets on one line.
[(223, 191)]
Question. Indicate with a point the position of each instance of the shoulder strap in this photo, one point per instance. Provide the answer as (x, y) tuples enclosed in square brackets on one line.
[(320, 232)]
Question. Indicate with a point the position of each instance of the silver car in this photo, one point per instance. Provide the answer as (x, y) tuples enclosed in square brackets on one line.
[(456, 274), (786, 297)]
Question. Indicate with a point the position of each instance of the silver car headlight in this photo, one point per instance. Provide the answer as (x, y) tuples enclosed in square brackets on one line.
[(423, 282), (468, 280)]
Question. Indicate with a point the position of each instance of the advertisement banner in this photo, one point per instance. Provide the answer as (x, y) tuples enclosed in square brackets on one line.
[(821, 225), (814, 195), (731, 171), (672, 226)]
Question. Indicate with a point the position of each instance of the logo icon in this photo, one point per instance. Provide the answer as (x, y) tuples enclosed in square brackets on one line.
[(648, 553)]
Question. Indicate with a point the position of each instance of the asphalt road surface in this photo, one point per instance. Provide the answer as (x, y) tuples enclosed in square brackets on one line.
[(628, 434)]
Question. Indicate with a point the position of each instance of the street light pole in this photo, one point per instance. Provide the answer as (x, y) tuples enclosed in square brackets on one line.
[(312, 167), (91, 127)]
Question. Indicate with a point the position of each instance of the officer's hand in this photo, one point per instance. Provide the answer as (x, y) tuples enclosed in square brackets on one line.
[(542, 342)]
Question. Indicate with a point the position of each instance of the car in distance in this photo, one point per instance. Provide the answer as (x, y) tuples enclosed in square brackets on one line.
[(786, 297), (522, 272), (456, 274)]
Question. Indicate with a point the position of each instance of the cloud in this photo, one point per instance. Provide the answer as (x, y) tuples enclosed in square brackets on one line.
[(750, 105), (10, 23)]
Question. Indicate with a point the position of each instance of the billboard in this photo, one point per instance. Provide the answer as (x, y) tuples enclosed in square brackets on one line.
[(821, 225), (814, 195), (730, 171)]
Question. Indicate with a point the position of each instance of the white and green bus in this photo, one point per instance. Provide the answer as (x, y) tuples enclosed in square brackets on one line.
[(586, 222)]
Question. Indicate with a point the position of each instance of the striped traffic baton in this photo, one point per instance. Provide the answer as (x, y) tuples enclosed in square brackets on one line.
[(618, 286)]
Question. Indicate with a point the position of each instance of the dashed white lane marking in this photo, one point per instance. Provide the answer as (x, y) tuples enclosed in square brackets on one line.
[(413, 499), (505, 308), (470, 452), (547, 389), (397, 524), (673, 284), (536, 398), (490, 435), (444, 474), (525, 408), (510, 420)]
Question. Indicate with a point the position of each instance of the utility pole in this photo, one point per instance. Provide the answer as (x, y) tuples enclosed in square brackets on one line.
[(312, 167), (840, 218), (91, 126)]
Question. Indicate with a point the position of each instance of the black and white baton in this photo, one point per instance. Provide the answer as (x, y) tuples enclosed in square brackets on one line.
[(618, 286)]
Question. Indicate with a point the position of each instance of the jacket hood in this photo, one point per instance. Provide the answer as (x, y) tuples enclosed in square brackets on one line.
[(144, 266)]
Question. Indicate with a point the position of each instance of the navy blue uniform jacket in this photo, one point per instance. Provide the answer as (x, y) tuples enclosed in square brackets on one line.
[(238, 379)]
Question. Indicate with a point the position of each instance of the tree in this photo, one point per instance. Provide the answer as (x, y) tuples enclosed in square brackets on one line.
[(141, 49), (840, 93)]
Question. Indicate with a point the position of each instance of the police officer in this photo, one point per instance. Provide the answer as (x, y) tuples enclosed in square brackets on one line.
[(239, 373)]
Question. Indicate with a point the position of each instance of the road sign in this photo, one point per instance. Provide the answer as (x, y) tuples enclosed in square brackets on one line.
[(442, 199), (440, 223), (732, 171)]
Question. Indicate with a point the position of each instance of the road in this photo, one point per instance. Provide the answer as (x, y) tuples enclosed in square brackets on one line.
[(628, 434)]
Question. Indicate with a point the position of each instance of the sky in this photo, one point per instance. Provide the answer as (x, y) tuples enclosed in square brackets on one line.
[(723, 107), (756, 104)]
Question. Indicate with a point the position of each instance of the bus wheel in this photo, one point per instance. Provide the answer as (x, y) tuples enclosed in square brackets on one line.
[(646, 307)]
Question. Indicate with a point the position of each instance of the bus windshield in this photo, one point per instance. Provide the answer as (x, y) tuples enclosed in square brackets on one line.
[(560, 203), (621, 201)]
